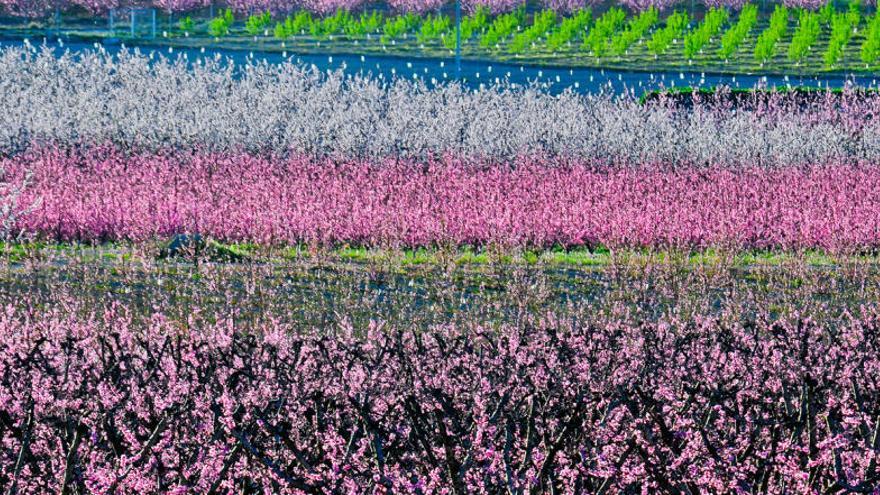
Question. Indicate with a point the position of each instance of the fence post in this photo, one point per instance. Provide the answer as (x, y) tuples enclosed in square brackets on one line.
[(111, 20), (153, 33), (132, 22), (457, 39)]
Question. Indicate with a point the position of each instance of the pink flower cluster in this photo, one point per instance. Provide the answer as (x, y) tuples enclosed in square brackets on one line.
[(101, 193), (104, 404), (640, 5), (417, 6), (805, 4), (565, 7)]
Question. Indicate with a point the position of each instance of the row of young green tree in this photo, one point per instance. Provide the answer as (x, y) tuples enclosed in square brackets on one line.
[(613, 33)]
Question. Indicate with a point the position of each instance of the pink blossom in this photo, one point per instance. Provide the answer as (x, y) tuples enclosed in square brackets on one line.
[(101, 193)]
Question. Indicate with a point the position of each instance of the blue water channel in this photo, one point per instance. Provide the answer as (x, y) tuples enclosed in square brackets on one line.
[(473, 74)]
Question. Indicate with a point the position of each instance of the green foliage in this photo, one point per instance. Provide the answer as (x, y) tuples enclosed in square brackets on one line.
[(478, 21), (503, 26), (220, 25), (597, 39), (674, 29), (842, 27), (293, 26), (258, 23), (733, 38), (765, 47), (635, 29), (470, 25), (542, 23), (396, 26), (186, 24), (366, 23), (569, 28), (434, 27), (281, 31), (708, 29), (336, 23), (855, 11), (826, 13), (806, 34), (302, 22), (870, 51), (613, 33)]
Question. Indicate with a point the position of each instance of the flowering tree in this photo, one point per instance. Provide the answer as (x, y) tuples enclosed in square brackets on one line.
[(805, 4), (285, 108), (107, 404), (731, 4), (419, 6), (11, 207), (568, 6), (180, 5), (642, 5), (30, 8), (102, 193)]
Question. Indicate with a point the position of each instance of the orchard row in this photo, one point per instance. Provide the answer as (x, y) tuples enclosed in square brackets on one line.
[(285, 108), (804, 37), (638, 391), (827, 38), (37, 8), (105, 194)]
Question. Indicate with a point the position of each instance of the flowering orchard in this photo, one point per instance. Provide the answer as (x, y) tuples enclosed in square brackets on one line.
[(38, 8), (285, 155), (138, 103), (133, 362), (101, 194), (743, 401)]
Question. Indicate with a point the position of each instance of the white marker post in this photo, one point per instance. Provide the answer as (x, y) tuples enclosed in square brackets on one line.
[(458, 39)]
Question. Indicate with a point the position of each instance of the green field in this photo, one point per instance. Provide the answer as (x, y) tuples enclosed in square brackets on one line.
[(599, 257)]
